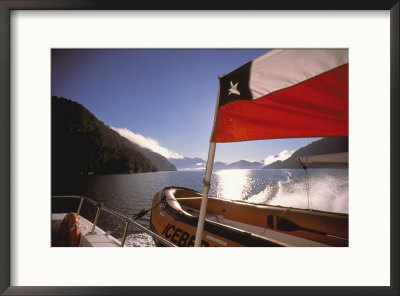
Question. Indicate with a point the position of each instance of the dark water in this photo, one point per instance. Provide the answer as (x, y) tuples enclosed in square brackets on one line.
[(129, 194)]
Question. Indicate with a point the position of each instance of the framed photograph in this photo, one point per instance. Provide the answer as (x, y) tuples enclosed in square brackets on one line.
[(55, 49)]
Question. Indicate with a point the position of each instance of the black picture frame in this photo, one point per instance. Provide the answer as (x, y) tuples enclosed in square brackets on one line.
[(6, 6)]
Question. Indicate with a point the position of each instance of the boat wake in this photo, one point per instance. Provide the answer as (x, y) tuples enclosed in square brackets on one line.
[(328, 192)]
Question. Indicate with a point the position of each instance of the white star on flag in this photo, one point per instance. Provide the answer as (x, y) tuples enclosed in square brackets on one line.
[(233, 89)]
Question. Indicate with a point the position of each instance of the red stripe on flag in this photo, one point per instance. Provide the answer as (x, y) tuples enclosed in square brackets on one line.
[(317, 107)]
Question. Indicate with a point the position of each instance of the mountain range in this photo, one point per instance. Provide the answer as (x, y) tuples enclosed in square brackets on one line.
[(188, 163), (322, 146), (244, 164)]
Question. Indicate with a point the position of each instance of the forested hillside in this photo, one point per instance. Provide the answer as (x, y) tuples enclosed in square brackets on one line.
[(82, 145)]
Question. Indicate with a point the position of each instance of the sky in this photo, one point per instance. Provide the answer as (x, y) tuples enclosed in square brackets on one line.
[(162, 99)]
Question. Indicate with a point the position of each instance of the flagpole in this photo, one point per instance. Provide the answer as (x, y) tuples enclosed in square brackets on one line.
[(207, 180), (206, 189)]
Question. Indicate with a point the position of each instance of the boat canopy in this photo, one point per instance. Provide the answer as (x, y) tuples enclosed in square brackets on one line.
[(325, 158)]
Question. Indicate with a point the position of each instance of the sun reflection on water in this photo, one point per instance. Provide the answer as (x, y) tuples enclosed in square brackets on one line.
[(233, 184)]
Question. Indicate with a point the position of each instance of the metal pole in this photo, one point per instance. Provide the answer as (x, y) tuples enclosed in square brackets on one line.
[(125, 230), (99, 205), (80, 206), (206, 189)]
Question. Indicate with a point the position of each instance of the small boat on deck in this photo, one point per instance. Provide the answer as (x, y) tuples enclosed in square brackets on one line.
[(231, 223)]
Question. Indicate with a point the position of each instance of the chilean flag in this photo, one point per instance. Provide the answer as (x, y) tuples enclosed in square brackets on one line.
[(285, 94)]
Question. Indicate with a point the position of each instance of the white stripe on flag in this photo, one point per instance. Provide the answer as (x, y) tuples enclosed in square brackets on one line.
[(280, 69)]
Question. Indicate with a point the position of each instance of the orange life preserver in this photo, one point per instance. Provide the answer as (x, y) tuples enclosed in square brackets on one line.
[(69, 234)]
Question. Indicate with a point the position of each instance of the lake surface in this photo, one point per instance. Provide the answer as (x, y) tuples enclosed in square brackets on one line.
[(129, 194)]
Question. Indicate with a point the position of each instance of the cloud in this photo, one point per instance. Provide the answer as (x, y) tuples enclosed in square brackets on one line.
[(147, 142), (285, 154)]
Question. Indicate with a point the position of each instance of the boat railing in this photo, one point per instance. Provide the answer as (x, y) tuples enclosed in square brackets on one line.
[(100, 207)]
